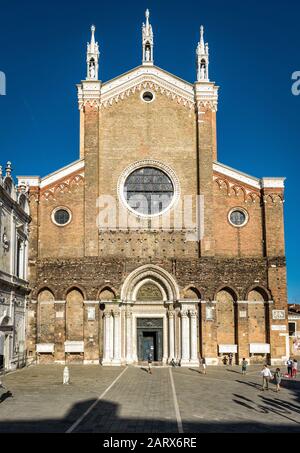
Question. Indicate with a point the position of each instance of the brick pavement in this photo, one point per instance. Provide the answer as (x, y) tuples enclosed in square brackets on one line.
[(221, 401)]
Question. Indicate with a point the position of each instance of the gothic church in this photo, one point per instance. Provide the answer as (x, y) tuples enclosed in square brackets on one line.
[(147, 243)]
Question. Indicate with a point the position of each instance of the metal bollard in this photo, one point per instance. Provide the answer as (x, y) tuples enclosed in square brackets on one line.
[(66, 376)]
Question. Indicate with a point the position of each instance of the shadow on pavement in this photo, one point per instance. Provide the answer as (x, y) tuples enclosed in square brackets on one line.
[(5, 395), (105, 418)]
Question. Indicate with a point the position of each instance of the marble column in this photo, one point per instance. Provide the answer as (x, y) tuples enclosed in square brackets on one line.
[(171, 336), (194, 339), (185, 338), (128, 316), (107, 339), (117, 343), (111, 330)]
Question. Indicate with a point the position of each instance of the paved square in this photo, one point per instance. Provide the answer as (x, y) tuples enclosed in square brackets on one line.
[(128, 400)]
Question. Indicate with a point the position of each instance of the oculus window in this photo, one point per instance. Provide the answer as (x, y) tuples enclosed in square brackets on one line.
[(238, 217), (61, 216)]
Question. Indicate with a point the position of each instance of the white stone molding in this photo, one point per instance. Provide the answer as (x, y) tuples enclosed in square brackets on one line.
[(149, 163), (148, 271), (143, 78), (206, 95), (95, 302), (129, 335), (272, 183), (185, 338), (62, 173), (256, 183), (45, 348), (89, 93), (171, 317), (74, 346), (194, 341), (107, 338), (117, 338), (259, 348)]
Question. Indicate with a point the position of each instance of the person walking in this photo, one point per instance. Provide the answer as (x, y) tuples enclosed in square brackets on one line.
[(149, 363), (294, 368), (289, 364), (200, 363), (244, 366), (204, 365), (230, 359), (267, 375), (277, 379)]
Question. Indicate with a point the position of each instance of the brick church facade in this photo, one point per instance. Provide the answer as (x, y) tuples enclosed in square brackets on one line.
[(147, 242)]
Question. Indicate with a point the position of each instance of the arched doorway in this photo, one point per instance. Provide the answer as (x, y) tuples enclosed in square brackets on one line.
[(150, 317), (6, 329)]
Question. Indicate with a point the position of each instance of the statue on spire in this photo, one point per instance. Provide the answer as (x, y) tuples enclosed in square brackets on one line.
[(147, 40), (92, 57), (202, 53)]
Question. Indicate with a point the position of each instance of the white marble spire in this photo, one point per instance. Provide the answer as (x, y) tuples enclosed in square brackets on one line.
[(92, 58), (147, 40), (202, 53)]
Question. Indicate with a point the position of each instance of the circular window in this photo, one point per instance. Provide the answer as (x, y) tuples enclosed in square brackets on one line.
[(148, 191), (238, 217), (61, 216), (147, 96)]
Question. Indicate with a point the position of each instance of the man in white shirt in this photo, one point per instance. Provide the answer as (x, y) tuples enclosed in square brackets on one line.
[(267, 375)]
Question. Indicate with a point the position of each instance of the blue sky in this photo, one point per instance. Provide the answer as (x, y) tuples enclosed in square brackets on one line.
[(254, 49)]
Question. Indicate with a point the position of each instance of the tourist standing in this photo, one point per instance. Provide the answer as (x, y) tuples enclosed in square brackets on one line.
[(267, 375), (289, 364), (244, 366), (149, 363), (294, 368), (230, 359), (277, 378)]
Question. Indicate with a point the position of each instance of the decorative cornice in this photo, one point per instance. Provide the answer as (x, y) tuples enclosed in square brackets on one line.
[(147, 77), (206, 94), (89, 93), (275, 185), (63, 186), (236, 175), (232, 188), (272, 183)]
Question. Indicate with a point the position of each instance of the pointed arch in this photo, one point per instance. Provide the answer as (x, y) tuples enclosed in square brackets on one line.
[(191, 292), (106, 293), (230, 290), (78, 288), (74, 314), (258, 292), (46, 316)]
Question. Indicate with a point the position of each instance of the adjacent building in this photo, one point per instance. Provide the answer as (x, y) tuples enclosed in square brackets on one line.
[(294, 329), (147, 243), (14, 286)]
